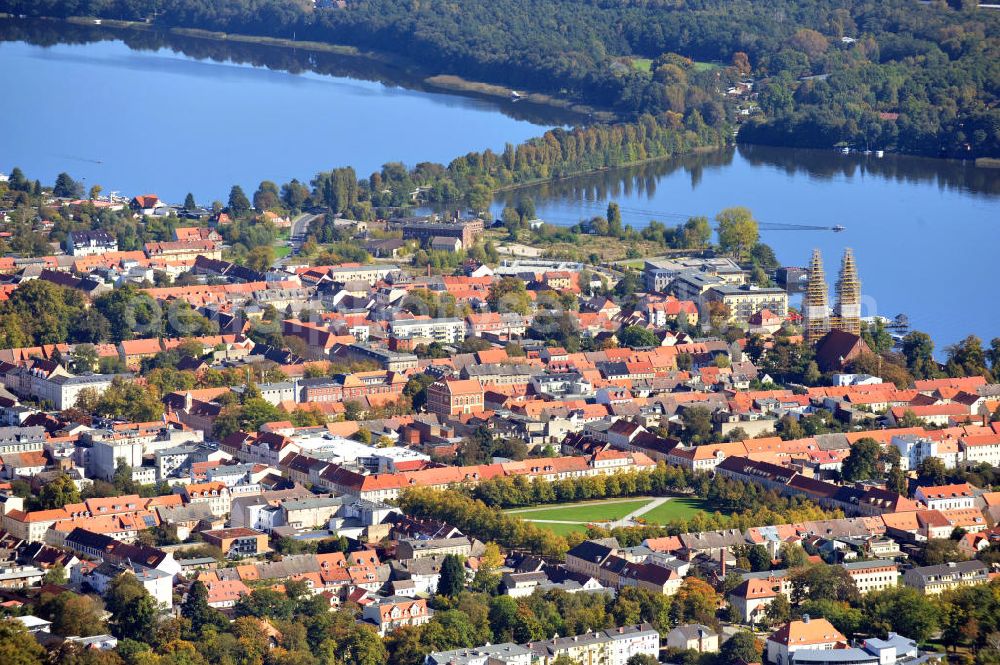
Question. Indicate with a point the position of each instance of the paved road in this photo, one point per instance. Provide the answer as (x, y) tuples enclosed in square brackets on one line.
[(655, 503), (300, 225)]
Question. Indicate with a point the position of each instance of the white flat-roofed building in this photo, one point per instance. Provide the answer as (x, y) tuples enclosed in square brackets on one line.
[(444, 331)]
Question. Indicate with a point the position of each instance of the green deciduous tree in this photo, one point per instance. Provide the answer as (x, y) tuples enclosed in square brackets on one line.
[(133, 610), (918, 349), (18, 646), (738, 231), (862, 462), (743, 647), (901, 610), (74, 614), (636, 337), (825, 582), (931, 472), (967, 358), (58, 492)]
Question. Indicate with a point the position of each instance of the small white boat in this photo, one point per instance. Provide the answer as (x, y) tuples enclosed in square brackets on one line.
[(880, 153), (845, 150), (514, 94)]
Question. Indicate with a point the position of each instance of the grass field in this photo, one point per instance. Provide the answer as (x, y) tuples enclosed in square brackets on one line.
[(705, 66), (281, 251), (680, 508), (567, 518), (598, 511), (642, 64), (562, 529)]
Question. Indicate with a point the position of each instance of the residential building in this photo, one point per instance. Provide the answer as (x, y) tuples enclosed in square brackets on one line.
[(981, 449), (426, 229), (749, 601), (237, 542), (90, 243), (914, 449), (216, 494), (613, 646), (157, 583), (693, 636), (588, 557), (932, 580), (62, 390), (388, 614), (434, 547), (873, 651), (746, 300), (390, 360), (946, 497), (223, 594), (453, 397), (148, 204), (811, 634), (443, 331), (872, 575), (490, 654), (118, 553)]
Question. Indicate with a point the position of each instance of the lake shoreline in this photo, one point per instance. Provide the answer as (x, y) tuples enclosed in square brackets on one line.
[(446, 82)]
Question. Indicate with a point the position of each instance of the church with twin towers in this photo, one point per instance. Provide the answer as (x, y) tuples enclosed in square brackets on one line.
[(818, 319)]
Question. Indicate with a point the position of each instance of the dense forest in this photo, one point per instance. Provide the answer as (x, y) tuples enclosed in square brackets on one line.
[(891, 75)]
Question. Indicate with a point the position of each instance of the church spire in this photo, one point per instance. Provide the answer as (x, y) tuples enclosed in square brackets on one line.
[(815, 310), (848, 310)]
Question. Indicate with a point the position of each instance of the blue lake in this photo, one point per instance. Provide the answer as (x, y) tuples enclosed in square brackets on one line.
[(158, 121), (925, 232)]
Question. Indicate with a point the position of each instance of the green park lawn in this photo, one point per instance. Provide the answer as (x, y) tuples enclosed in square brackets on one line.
[(679, 508), (598, 511), (575, 517), (705, 66), (562, 529)]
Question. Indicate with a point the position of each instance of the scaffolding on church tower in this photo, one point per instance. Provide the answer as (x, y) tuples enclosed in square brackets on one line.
[(848, 309), (815, 311)]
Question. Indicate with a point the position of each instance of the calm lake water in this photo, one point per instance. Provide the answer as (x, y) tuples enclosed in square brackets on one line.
[(925, 232), (174, 115), (140, 112)]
